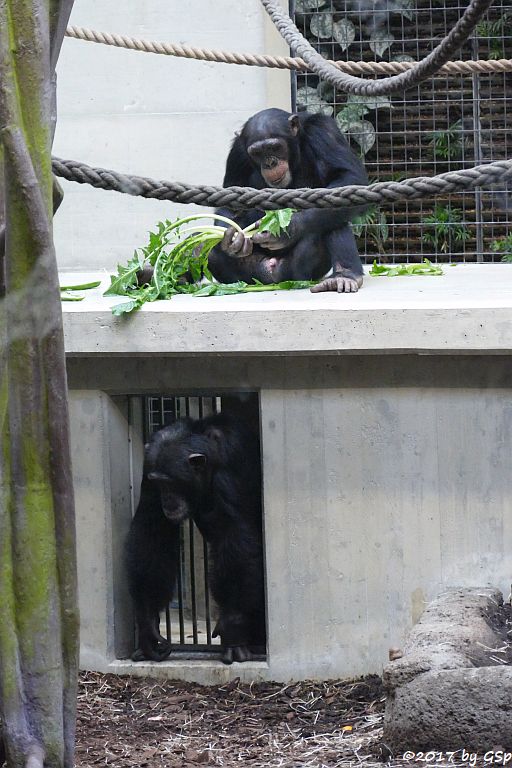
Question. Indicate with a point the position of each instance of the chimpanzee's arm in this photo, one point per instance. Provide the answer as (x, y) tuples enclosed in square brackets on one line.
[(239, 173), (152, 559)]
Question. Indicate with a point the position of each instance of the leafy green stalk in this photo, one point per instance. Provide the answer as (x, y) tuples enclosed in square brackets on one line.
[(178, 256), (67, 292), (81, 286)]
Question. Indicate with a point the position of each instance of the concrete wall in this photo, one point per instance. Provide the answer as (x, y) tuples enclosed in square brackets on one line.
[(386, 478), (153, 115)]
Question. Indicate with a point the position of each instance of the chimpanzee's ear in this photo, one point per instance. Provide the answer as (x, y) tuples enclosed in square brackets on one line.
[(294, 123), (197, 460)]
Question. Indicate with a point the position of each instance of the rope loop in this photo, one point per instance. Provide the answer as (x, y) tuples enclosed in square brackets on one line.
[(360, 87)]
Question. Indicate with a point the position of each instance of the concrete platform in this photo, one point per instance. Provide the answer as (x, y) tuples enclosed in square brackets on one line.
[(386, 425), (468, 310)]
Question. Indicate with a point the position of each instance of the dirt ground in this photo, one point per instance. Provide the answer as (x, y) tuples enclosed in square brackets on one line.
[(124, 721)]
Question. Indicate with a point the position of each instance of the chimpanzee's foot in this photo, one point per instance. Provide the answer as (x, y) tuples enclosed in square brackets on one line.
[(154, 652), (342, 283), (233, 653)]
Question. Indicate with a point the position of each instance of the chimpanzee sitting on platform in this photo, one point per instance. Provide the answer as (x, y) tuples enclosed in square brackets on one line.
[(208, 470), (281, 150)]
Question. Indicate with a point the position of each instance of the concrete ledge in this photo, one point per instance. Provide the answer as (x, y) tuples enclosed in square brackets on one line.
[(468, 310), (449, 691), (204, 672)]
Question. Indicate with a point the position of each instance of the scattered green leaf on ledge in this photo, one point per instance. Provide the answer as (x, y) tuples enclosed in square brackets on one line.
[(81, 286), (398, 270), (67, 292)]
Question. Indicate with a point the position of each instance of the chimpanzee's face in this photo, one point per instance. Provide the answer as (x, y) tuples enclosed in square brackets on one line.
[(271, 157), (269, 137), (176, 469)]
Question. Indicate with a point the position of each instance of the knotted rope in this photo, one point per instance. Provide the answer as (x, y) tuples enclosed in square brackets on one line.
[(242, 198)]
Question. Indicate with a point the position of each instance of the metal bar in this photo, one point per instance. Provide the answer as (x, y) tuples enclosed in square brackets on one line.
[(477, 142), (207, 595), (193, 597), (168, 628), (180, 590), (293, 75)]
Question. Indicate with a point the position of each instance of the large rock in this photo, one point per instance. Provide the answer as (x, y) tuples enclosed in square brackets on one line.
[(451, 689)]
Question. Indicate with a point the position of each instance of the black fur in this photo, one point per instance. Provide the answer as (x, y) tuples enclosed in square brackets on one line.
[(318, 155), (209, 470)]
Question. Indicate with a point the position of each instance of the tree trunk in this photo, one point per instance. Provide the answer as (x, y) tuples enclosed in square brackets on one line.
[(39, 626)]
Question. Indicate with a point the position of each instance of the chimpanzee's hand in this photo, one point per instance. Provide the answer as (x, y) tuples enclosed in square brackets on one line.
[(278, 242), (342, 282), (236, 244)]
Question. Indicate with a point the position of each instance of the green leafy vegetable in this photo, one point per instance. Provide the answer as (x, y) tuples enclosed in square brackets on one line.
[(81, 286), (276, 222), (394, 270), (177, 256), (71, 297), (126, 276), (67, 291)]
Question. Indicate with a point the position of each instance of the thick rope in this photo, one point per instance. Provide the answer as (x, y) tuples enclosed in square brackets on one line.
[(242, 198), (279, 62), (359, 87)]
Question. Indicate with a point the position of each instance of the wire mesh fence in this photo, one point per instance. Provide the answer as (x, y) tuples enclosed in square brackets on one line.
[(447, 123)]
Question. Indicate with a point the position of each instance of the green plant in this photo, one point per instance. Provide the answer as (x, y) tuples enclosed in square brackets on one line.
[(503, 246), (372, 224), (350, 119), (495, 32), (447, 228), (178, 259), (448, 144)]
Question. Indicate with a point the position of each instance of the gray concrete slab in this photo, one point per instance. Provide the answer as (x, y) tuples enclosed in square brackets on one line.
[(466, 310)]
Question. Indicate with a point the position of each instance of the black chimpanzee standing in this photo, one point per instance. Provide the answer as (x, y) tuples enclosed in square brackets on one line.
[(278, 149), (208, 470)]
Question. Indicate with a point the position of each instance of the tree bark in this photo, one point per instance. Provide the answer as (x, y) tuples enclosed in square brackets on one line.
[(39, 626)]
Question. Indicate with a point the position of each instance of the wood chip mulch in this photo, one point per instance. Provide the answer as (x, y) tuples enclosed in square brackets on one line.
[(127, 721)]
